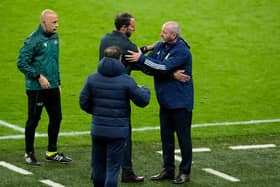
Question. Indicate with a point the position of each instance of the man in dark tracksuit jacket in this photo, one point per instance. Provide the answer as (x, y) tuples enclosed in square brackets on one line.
[(106, 95), (125, 26), (175, 99), (39, 61)]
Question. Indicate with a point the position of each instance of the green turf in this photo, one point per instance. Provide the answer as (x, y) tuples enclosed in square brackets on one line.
[(257, 167), (235, 47), (236, 52)]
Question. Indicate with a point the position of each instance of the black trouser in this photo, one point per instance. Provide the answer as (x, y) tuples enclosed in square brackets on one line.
[(179, 121), (37, 99)]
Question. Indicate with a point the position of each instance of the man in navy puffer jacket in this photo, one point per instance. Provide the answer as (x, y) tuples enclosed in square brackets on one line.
[(106, 95)]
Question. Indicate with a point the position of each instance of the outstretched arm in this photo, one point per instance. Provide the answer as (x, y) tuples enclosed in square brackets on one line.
[(179, 75)]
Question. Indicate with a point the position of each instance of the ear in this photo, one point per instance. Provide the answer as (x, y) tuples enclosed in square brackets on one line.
[(44, 24), (174, 35), (123, 28)]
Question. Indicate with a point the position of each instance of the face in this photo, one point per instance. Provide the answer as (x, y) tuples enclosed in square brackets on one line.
[(50, 23), (166, 35), (130, 28)]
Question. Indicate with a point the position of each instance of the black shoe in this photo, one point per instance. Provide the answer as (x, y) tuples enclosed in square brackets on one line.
[(58, 157), (182, 178), (30, 159), (163, 175), (132, 178)]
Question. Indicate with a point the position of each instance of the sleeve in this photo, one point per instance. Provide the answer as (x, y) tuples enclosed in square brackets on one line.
[(140, 96), (176, 59), (173, 60), (85, 100), (25, 60), (134, 66)]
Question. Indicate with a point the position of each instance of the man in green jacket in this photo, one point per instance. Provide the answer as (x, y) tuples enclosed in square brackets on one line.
[(38, 61)]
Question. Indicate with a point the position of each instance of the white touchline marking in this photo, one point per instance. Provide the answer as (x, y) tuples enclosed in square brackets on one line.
[(252, 146), (216, 124), (145, 129), (197, 150), (51, 183), (194, 150), (21, 136), (176, 157), (15, 127), (204, 149), (179, 159), (220, 174), (25, 172), (236, 123), (15, 168), (8, 137)]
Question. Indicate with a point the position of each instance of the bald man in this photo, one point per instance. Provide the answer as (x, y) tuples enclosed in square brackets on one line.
[(38, 61), (174, 97)]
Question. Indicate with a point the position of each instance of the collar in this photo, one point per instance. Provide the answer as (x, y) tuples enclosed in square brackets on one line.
[(41, 30), (119, 33)]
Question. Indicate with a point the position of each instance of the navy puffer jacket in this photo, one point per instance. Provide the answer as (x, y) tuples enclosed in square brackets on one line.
[(107, 94)]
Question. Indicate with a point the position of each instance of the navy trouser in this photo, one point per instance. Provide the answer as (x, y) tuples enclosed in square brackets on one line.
[(37, 99), (107, 159), (126, 164), (179, 121), (127, 158)]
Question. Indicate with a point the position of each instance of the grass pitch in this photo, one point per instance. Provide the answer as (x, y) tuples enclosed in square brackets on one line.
[(236, 53), (255, 167)]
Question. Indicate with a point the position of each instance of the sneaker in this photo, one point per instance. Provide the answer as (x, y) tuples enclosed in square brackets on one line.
[(58, 157), (30, 159)]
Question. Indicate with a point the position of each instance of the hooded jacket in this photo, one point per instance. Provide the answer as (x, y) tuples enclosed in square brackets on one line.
[(107, 94)]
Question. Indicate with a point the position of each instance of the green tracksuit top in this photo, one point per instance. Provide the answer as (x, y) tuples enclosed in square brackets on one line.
[(39, 55)]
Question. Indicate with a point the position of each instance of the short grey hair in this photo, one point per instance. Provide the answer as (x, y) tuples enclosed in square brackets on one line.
[(46, 12), (173, 27)]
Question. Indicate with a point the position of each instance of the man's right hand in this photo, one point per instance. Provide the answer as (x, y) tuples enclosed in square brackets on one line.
[(44, 82), (180, 76), (133, 56)]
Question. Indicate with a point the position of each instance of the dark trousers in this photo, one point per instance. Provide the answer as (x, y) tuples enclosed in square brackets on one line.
[(127, 158), (126, 164), (107, 159), (37, 99), (179, 121)]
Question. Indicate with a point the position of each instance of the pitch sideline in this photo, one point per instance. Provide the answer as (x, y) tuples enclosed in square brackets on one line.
[(25, 172), (21, 136)]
